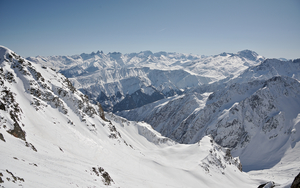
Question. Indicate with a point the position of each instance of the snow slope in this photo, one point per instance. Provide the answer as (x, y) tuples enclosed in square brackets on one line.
[(52, 136)]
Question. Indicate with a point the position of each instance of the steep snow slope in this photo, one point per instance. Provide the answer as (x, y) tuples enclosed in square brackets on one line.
[(52, 136), (286, 168), (126, 81)]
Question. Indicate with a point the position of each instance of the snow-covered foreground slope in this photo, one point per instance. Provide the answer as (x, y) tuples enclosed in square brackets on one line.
[(126, 81), (52, 136)]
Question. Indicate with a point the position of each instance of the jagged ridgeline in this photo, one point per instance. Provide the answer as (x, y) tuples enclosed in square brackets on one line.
[(127, 81)]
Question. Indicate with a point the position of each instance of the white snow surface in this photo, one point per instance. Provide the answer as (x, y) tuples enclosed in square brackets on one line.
[(51, 136)]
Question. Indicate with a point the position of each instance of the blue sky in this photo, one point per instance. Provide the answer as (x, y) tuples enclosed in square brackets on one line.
[(68, 27)]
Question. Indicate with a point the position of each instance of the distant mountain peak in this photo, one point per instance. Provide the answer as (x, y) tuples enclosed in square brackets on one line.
[(248, 54), (225, 54), (251, 55), (99, 52), (146, 53), (246, 51), (115, 53)]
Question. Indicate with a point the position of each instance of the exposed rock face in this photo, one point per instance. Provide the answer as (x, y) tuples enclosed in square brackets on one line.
[(218, 158), (7, 97), (296, 182)]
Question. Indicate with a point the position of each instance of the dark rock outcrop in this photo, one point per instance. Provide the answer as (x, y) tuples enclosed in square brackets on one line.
[(296, 182)]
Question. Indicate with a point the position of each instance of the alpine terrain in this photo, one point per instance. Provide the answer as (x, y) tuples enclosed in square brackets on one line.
[(230, 120), (126, 81)]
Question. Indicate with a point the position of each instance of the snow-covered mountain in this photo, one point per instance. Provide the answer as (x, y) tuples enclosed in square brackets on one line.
[(258, 120), (269, 69), (127, 81), (239, 116), (52, 136)]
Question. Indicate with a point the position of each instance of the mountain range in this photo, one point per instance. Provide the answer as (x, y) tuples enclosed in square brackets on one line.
[(230, 120), (127, 81)]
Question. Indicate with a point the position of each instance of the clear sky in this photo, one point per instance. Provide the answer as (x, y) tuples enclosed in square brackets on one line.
[(204, 27)]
